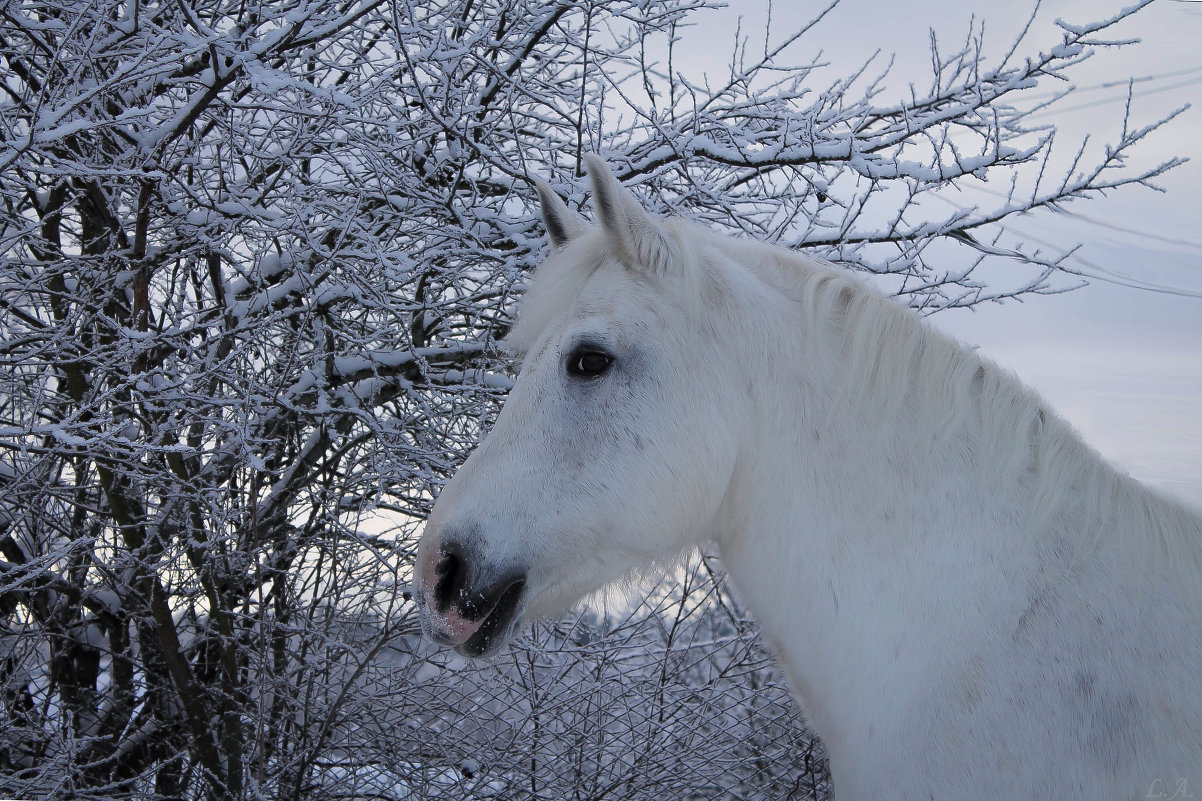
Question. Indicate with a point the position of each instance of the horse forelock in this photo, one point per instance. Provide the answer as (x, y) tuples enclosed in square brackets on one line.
[(560, 280), (554, 287)]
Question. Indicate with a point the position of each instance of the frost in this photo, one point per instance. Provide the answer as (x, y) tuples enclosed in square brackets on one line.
[(257, 262)]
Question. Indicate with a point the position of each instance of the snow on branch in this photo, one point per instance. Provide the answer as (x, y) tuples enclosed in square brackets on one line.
[(842, 174), (254, 263)]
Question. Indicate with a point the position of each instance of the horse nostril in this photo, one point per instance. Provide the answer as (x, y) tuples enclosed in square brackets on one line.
[(451, 576), (447, 565)]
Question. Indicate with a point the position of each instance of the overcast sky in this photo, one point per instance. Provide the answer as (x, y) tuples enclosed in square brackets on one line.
[(1123, 365)]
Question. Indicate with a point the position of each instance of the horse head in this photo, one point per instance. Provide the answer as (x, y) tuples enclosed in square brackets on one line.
[(605, 456)]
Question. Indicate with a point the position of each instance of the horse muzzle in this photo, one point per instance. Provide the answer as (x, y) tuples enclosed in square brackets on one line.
[(465, 603)]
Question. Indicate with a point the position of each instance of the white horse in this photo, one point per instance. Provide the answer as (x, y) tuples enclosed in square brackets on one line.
[(968, 601)]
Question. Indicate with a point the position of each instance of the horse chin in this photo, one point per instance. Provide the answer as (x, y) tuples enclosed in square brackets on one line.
[(497, 628)]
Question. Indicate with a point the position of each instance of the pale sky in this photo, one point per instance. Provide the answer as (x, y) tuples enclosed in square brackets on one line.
[(1123, 365)]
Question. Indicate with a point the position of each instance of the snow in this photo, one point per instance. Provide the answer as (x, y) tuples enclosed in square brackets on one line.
[(300, 179)]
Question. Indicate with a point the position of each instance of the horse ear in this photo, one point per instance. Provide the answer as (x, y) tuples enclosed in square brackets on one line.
[(563, 224), (633, 234)]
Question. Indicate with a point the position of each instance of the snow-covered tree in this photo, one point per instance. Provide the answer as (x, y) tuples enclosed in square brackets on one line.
[(253, 261)]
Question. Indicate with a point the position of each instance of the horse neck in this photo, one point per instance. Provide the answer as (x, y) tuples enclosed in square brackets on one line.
[(877, 494), (902, 505)]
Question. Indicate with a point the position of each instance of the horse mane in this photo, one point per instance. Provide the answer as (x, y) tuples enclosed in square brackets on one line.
[(941, 388), (897, 367)]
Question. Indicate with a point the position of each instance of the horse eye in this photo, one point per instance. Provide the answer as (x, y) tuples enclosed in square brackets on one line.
[(588, 363)]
